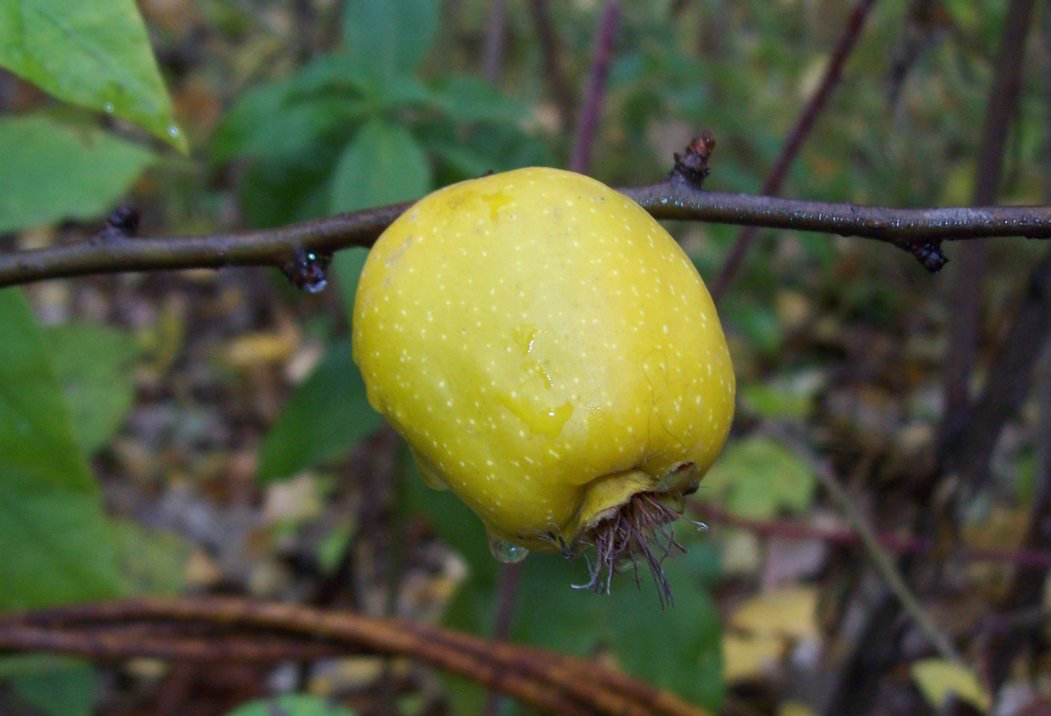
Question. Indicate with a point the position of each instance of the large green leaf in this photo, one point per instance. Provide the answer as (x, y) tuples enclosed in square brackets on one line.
[(94, 53), (676, 649), (387, 38), (52, 171), (292, 116), (383, 164), (326, 417), (94, 368), (57, 545)]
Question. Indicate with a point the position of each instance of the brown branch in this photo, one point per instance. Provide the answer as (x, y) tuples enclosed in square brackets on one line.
[(914, 230), (1026, 591), (796, 138), (968, 451), (547, 680), (1001, 107)]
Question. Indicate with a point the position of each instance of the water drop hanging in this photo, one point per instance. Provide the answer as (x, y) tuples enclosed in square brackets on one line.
[(506, 551), (307, 270)]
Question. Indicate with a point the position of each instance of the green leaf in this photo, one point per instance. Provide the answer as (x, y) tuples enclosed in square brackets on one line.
[(291, 117), (675, 649), (94, 53), (757, 322), (55, 686), (485, 147), (288, 189), (291, 705), (57, 544), (52, 171), (325, 418), (787, 396), (261, 124), (383, 164), (758, 476), (465, 98), (94, 367), (387, 38)]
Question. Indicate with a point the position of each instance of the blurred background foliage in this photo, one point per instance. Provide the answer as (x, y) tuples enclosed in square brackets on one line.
[(207, 432)]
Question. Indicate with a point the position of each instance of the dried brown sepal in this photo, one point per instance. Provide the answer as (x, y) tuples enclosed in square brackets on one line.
[(640, 529), (692, 165)]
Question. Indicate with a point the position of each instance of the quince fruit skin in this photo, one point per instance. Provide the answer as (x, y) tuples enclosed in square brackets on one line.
[(547, 350)]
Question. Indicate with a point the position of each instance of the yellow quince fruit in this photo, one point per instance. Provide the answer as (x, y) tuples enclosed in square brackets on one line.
[(550, 354)]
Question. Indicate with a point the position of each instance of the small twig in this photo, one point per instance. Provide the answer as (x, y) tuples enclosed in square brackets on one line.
[(886, 567), (591, 105), (796, 138), (881, 560)]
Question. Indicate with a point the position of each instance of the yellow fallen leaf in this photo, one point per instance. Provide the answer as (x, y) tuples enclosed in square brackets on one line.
[(938, 679), (749, 656), (794, 708), (786, 612), (260, 348)]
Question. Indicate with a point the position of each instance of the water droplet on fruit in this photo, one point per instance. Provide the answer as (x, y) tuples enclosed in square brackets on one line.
[(506, 551)]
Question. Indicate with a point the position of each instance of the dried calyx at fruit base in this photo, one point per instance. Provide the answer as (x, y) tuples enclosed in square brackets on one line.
[(552, 356)]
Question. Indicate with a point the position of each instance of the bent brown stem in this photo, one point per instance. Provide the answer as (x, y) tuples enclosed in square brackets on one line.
[(202, 628)]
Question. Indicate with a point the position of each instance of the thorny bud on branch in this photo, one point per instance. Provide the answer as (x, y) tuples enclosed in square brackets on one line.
[(692, 165), (122, 223), (930, 255)]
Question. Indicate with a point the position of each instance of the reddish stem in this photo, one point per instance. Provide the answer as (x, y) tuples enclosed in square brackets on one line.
[(897, 543), (798, 135)]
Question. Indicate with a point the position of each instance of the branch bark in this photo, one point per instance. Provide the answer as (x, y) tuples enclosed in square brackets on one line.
[(913, 230)]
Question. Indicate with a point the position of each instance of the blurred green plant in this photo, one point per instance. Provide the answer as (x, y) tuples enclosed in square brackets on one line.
[(291, 705)]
